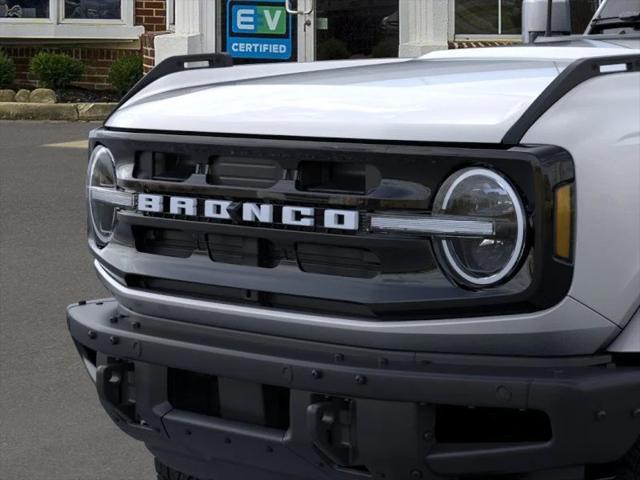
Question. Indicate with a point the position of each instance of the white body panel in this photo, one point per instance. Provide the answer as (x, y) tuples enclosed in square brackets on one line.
[(205, 77), (437, 98), (599, 124), (427, 107)]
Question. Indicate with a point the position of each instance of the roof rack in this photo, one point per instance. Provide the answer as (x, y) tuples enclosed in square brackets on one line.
[(176, 64), (576, 73)]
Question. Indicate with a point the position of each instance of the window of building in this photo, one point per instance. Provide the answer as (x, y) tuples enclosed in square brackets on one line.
[(29, 9), (93, 9), (488, 17), (88, 19)]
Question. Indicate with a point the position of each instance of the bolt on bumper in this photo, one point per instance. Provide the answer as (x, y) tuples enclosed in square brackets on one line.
[(391, 400)]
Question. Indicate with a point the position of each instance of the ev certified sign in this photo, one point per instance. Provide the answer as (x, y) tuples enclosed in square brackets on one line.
[(259, 29)]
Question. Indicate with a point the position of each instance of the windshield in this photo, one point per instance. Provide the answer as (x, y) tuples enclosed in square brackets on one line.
[(619, 8), (616, 17)]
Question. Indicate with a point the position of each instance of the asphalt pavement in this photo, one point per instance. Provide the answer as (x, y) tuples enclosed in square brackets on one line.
[(52, 426)]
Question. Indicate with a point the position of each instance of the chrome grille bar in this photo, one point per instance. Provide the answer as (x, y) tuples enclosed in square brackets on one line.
[(436, 226)]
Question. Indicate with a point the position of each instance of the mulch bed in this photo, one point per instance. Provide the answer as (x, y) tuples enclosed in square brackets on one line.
[(80, 95)]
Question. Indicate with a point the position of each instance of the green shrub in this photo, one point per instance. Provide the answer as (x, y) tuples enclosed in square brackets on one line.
[(333, 49), (55, 70), (386, 48), (125, 72), (7, 71)]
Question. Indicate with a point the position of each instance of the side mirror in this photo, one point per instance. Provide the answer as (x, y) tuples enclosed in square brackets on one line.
[(545, 17)]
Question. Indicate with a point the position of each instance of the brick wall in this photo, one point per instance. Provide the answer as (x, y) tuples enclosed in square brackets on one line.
[(152, 14), (149, 13), (148, 51)]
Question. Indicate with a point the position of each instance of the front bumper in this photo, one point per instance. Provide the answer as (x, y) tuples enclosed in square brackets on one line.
[(350, 412)]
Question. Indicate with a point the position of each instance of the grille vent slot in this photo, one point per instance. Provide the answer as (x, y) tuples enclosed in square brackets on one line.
[(255, 252), (244, 172), (159, 241), (169, 167), (334, 177), (334, 260)]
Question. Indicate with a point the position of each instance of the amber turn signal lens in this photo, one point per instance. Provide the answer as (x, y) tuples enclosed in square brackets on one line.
[(564, 221)]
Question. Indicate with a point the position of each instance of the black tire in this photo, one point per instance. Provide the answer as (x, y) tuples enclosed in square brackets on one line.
[(167, 473), (629, 467)]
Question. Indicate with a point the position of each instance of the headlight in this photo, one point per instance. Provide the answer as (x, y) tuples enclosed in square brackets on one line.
[(103, 195), (483, 260)]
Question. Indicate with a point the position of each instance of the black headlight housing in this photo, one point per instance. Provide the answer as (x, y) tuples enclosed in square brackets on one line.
[(104, 197)]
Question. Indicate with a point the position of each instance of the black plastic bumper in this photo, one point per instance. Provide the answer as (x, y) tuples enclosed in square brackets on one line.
[(350, 413)]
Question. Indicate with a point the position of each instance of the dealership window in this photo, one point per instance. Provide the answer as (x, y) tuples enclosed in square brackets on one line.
[(504, 17), (488, 17), (87, 19), (357, 29)]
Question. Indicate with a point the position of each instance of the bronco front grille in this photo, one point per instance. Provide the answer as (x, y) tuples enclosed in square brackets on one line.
[(387, 276)]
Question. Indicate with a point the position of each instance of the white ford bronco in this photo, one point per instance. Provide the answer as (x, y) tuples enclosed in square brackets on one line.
[(375, 269)]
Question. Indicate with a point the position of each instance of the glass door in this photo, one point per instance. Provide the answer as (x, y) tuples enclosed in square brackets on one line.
[(349, 29), (258, 31)]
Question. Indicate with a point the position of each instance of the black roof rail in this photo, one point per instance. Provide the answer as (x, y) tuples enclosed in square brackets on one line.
[(576, 73), (175, 64)]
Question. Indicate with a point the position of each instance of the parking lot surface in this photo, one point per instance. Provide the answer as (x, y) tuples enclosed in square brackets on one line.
[(52, 426)]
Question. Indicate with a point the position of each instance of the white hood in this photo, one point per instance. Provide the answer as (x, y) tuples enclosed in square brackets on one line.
[(451, 96)]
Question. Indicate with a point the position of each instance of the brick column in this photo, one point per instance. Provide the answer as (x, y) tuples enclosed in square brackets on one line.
[(152, 15)]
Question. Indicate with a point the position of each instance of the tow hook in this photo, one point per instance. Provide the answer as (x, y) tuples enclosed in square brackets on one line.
[(331, 424), (111, 381), (347, 432)]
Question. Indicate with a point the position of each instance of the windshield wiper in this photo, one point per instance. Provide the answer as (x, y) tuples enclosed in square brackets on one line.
[(626, 19), (630, 16)]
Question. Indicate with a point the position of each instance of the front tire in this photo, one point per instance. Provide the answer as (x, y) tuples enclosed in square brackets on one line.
[(167, 473)]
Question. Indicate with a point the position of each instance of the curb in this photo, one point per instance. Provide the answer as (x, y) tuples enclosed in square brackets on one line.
[(68, 112)]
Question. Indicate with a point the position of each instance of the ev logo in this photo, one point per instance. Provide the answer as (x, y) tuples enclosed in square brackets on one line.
[(259, 29), (260, 20)]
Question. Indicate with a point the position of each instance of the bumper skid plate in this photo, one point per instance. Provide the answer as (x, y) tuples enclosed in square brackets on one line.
[(218, 403)]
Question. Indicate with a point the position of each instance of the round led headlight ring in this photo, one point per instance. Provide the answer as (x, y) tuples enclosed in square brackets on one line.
[(482, 194), (101, 179)]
